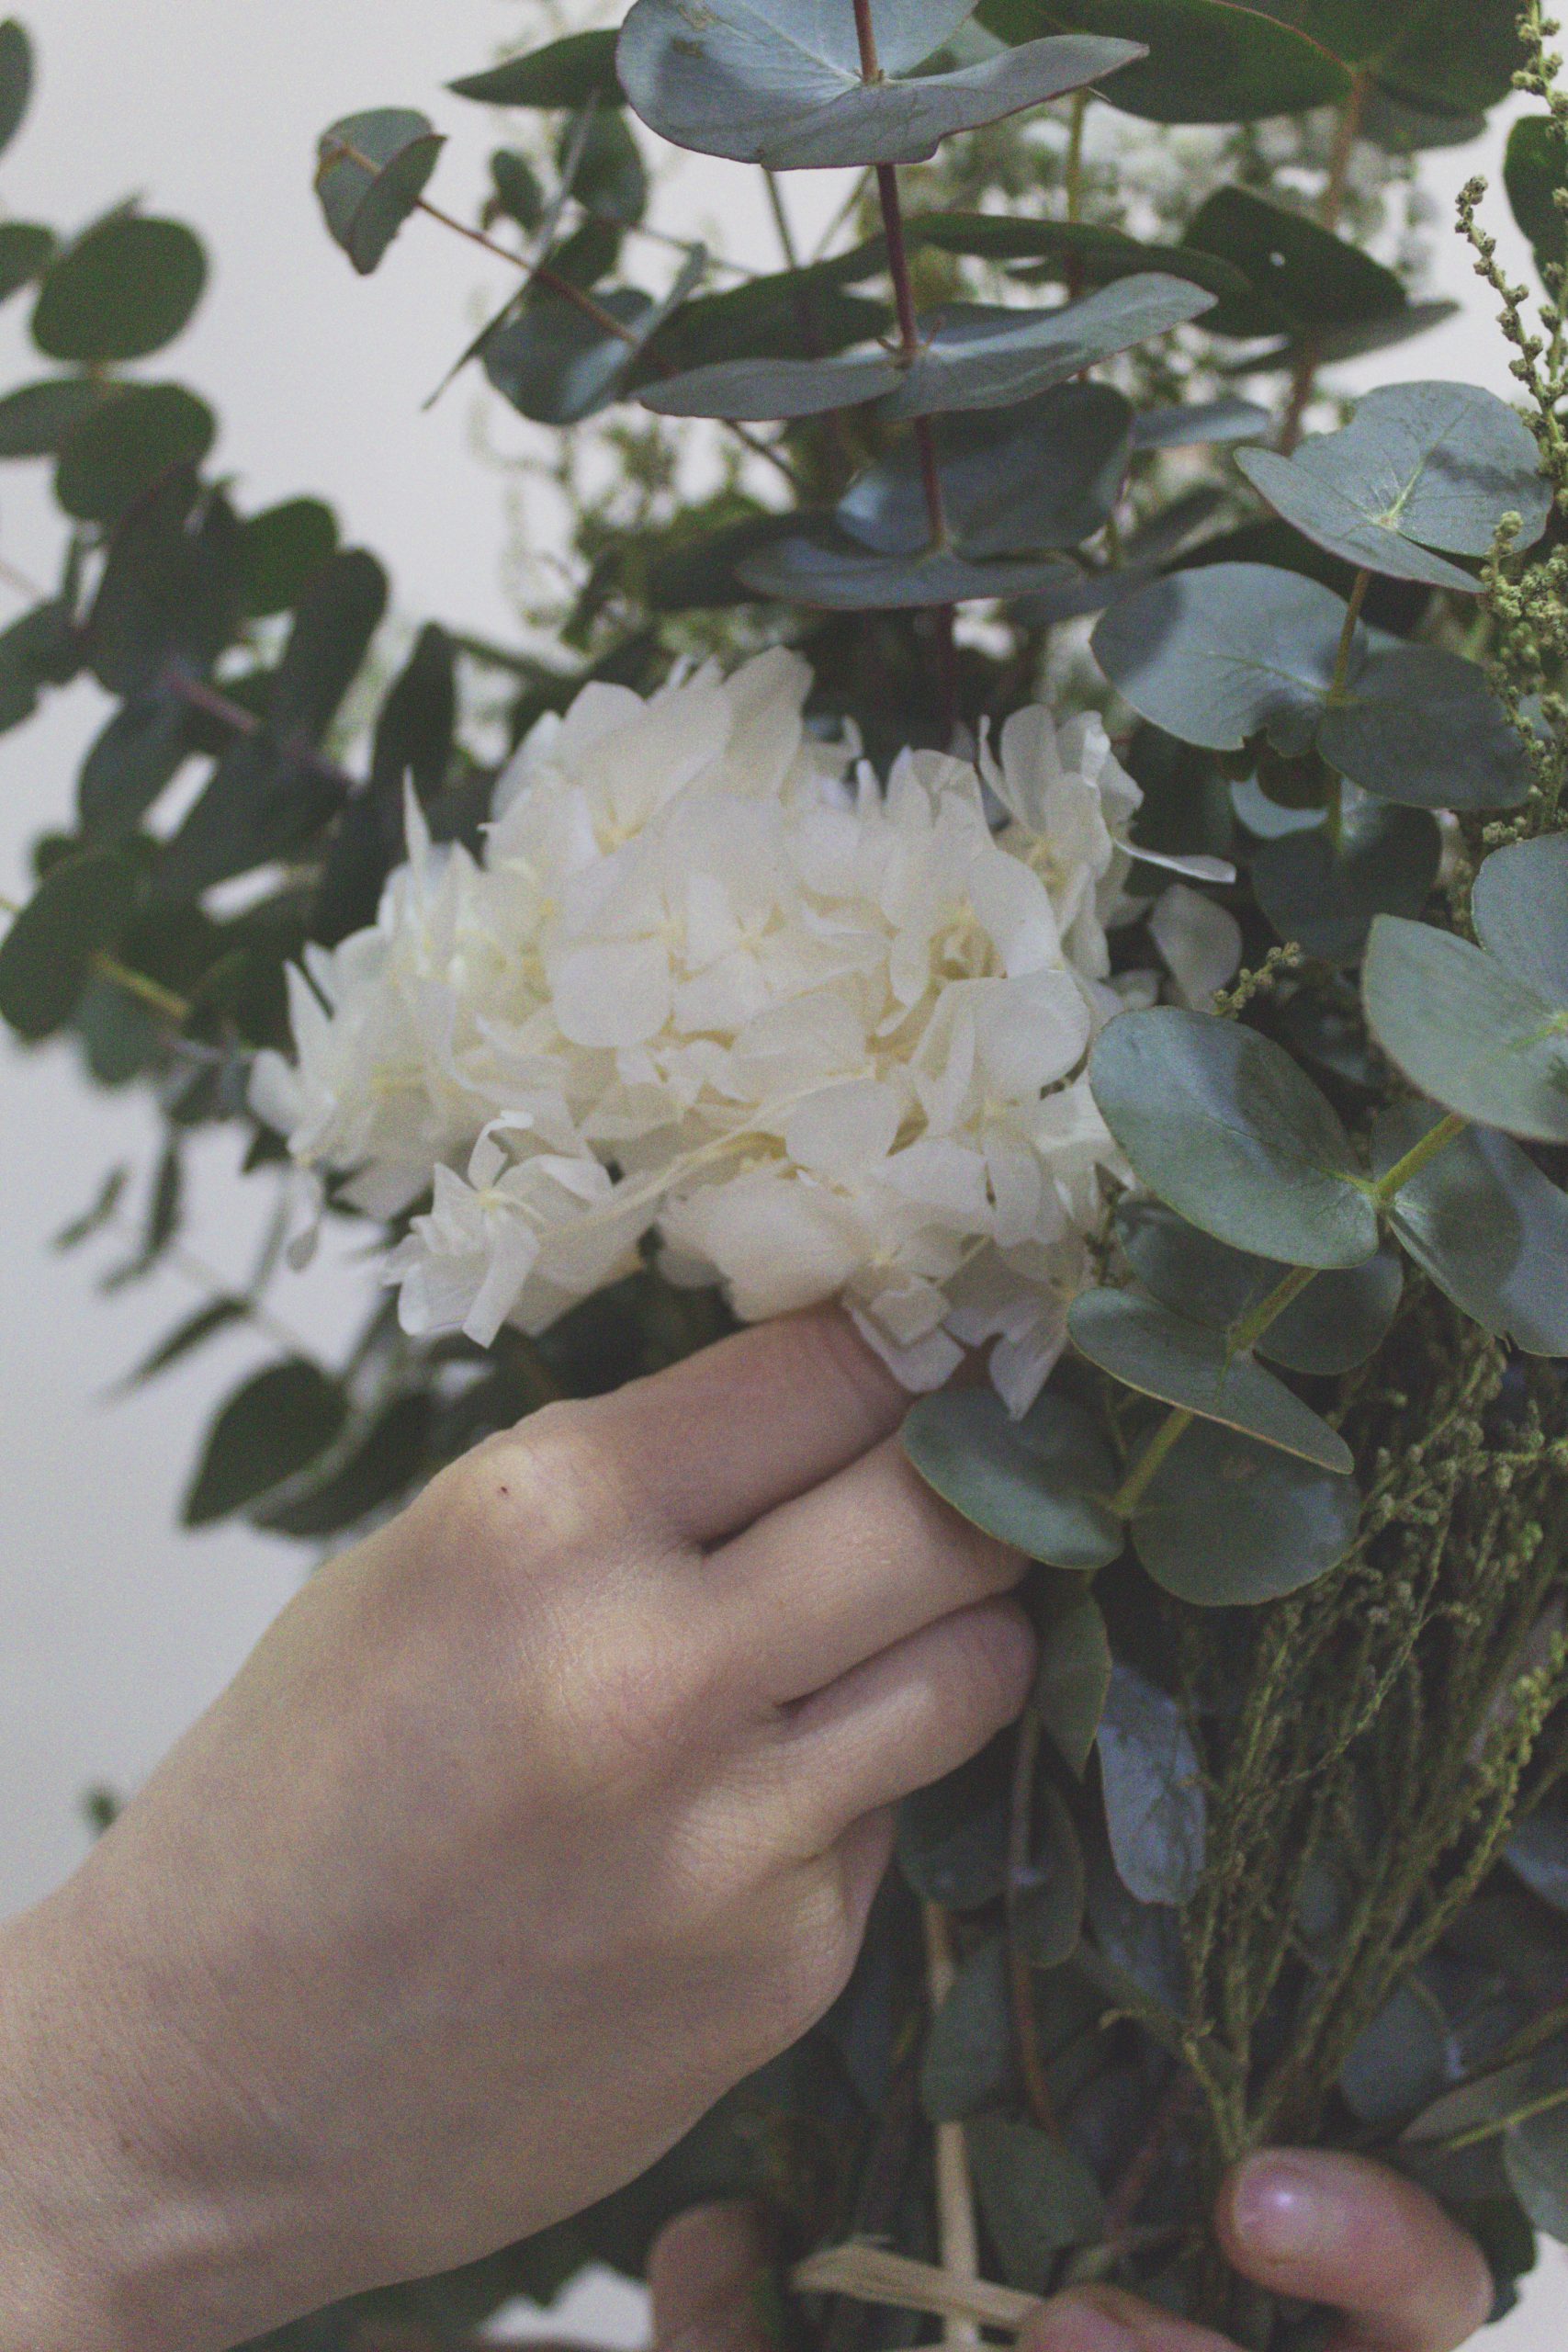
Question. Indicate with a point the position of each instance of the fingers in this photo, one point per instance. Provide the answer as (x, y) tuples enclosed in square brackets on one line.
[(1102, 2319), (716, 1441), (706, 2272), (901, 1720), (829, 1580), (1336, 2229)]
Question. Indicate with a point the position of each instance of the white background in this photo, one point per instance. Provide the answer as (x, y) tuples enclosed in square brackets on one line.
[(114, 1628)]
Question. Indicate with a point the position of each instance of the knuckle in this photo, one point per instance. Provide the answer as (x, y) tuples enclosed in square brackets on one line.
[(545, 1490), (809, 1961)]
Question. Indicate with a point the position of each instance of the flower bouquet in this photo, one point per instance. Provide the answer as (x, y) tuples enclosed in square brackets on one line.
[(1008, 833)]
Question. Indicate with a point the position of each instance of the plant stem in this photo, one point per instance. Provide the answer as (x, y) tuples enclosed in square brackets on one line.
[(956, 2233), (212, 703), (109, 967), (1135, 1486), (1348, 636), (781, 219), (1330, 207), (1403, 1171), (1073, 178), (1021, 1987)]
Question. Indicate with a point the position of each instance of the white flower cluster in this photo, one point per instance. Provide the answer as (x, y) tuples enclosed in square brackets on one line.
[(823, 1039)]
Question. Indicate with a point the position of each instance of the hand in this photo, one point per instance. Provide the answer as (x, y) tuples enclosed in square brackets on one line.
[(532, 1826), (1321, 2229)]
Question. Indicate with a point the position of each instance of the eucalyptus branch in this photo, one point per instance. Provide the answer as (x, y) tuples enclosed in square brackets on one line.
[(1330, 207)]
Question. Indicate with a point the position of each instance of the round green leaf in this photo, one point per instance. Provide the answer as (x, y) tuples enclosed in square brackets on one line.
[(784, 86), (1322, 513), (1207, 63), (1519, 907), (1156, 1810), (130, 765), (607, 175), (1039, 1483), (281, 548), (1046, 474), (1221, 1124), (1422, 727), (1325, 892), (120, 448), (1487, 1225), (1535, 168), (1228, 1523), (1037, 2196), (1336, 1323), (1221, 654), (1438, 464), (372, 171), (15, 79), (1466, 1032), (768, 317), (26, 249), (1205, 423), (761, 391), (1160, 1353), (1076, 253), (953, 1837), (575, 71), (981, 356), (276, 1427), (1535, 2150), (1074, 1675), (81, 908), (1303, 278), (838, 579), (124, 288), (967, 2063), (35, 419)]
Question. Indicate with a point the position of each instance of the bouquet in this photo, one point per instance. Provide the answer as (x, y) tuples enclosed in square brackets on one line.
[(1013, 834)]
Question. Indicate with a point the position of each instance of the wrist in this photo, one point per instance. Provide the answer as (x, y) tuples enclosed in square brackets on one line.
[(106, 2242)]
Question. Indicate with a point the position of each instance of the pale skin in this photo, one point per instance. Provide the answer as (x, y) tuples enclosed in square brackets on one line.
[(535, 1824)]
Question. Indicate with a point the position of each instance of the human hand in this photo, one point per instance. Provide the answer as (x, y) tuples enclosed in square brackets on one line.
[(1318, 2228), (533, 1825)]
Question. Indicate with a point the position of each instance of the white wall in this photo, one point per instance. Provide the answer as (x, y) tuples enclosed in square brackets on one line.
[(114, 1628)]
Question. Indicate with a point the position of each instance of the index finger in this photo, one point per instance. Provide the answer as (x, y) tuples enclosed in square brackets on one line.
[(716, 1442), (1336, 2230)]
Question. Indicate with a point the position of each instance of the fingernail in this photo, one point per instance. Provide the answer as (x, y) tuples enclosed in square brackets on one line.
[(1072, 2324), (1284, 2209)]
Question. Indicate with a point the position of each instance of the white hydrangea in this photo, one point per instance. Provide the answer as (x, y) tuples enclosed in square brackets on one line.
[(710, 982)]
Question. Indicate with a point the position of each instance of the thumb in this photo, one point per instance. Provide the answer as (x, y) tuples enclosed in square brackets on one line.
[(706, 2273)]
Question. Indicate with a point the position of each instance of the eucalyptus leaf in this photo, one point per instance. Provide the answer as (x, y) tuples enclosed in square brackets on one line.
[(124, 290), (1435, 464), (80, 907), (38, 650), (1421, 726), (1080, 253), (1037, 2196), (1324, 887), (1519, 907), (1156, 1809), (1148, 1347), (1220, 1124), (575, 71), (1040, 1484), (1487, 1225), (1227, 1523), (15, 79), (274, 1427), (981, 356), (774, 317), (377, 1469), (1538, 1852), (1045, 1895), (1208, 62), (35, 419), (1221, 654), (967, 2063), (1402, 2061), (1074, 1675), (1046, 474), (372, 171), (953, 1837), (1467, 1032), (782, 83), (25, 251), (121, 447), (557, 365), (604, 167), (281, 549), (1336, 1323), (1534, 169), (847, 579), (1202, 423), (333, 627), (1304, 277), (130, 765), (171, 591), (760, 391), (1536, 2152)]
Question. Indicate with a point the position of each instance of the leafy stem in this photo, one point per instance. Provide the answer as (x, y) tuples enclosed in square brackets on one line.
[(150, 992)]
